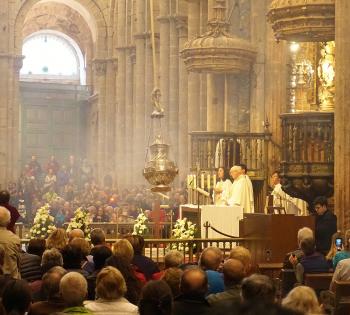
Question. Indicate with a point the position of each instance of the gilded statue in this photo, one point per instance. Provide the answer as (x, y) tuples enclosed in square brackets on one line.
[(326, 74)]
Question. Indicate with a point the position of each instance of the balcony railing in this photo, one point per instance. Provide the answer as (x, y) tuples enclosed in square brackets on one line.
[(308, 154), (213, 149)]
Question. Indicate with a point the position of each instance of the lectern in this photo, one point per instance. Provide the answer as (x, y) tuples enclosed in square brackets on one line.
[(279, 232)]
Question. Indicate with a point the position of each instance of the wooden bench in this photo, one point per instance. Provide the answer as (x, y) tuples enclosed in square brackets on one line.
[(318, 281)]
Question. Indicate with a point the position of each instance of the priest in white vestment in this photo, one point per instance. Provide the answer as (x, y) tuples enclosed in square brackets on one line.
[(240, 194), (282, 199)]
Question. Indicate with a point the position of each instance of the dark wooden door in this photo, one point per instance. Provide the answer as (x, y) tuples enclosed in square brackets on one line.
[(51, 121)]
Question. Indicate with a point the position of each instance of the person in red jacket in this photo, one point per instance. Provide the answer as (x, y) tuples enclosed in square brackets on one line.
[(4, 202)]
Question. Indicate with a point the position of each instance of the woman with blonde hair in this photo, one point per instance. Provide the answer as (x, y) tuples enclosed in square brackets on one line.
[(123, 248), (302, 299), (344, 253), (110, 291), (57, 239), (334, 249)]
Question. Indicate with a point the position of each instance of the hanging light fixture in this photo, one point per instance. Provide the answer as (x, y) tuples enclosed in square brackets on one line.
[(217, 51), (159, 171)]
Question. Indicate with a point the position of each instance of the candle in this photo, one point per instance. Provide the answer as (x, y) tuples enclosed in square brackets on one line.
[(208, 182), (194, 182), (202, 181), (214, 180), (188, 181)]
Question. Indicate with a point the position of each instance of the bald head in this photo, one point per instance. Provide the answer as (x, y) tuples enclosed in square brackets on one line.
[(5, 217), (234, 272), (211, 258), (194, 282), (51, 281), (76, 233), (236, 171)]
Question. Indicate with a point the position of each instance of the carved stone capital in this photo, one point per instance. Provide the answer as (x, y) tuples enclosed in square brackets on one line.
[(99, 66), (181, 25)]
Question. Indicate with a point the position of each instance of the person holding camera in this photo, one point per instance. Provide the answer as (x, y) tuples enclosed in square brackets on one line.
[(343, 249)]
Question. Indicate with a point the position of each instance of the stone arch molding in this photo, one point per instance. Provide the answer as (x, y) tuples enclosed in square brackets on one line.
[(88, 9), (61, 18)]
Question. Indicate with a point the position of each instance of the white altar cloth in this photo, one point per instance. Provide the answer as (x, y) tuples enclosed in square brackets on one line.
[(223, 218)]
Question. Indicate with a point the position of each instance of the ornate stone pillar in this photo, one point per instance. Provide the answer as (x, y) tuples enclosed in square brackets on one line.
[(341, 115), (140, 132)]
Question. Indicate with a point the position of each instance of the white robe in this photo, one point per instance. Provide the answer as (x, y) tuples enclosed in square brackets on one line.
[(221, 199), (240, 194), (251, 192), (291, 205)]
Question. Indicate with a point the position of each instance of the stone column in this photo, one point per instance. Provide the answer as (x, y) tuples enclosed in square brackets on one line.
[(215, 92), (129, 115), (216, 102), (203, 76), (110, 103), (341, 115), (275, 94), (183, 162), (139, 145), (120, 143), (257, 78), (99, 66), (174, 90), (193, 78), (164, 45)]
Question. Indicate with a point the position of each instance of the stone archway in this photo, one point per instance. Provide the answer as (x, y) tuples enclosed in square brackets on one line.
[(88, 9)]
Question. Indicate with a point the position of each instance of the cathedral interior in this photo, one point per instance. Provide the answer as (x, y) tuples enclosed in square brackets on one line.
[(259, 82)]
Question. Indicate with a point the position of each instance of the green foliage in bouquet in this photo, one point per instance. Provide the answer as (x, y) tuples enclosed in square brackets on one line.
[(43, 224), (81, 220)]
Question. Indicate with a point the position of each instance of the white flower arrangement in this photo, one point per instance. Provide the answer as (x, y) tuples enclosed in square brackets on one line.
[(43, 224), (81, 220), (183, 230), (140, 225)]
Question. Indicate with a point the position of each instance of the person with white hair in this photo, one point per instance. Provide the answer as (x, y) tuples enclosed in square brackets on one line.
[(240, 194), (11, 244), (73, 289), (292, 258)]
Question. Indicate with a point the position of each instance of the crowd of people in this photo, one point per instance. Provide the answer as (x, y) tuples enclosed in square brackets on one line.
[(68, 187), (66, 274)]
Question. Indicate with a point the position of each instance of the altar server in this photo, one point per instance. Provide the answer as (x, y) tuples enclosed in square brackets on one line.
[(222, 187)]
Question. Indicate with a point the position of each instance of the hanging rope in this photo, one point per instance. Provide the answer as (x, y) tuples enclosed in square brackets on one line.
[(153, 43)]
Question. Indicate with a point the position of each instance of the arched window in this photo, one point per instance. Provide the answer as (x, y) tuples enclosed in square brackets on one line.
[(53, 56)]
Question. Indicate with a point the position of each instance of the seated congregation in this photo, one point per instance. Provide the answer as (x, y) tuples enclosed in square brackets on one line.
[(66, 274)]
